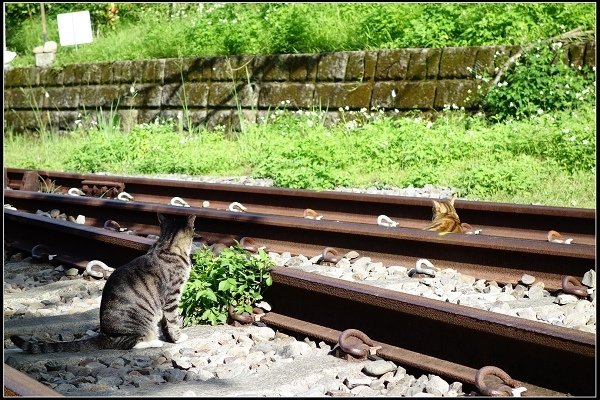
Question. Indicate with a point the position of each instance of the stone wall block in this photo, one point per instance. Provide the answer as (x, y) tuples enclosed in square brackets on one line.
[(392, 64), (433, 58), (107, 97), (97, 74), (332, 66), (73, 74), (24, 98), (302, 67), (403, 95), (20, 120), (590, 54), (417, 64), (335, 95), (147, 115), (355, 67), (455, 60), (125, 72), (226, 94), (232, 68), (216, 118), (576, 54), (484, 62), (271, 68), (21, 77), (273, 95), (199, 69), (51, 76), (144, 95), (153, 71), (174, 69), (62, 97), (192, 94), (455, 92), (370, 65)]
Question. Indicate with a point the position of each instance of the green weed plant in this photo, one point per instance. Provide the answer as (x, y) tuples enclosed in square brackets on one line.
[(235, 277)]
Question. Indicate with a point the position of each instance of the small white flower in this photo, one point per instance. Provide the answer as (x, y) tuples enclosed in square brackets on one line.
[(540, 111), (346, 108), (46, 95), (287, 102), (511, 104), (585, 141), (573, 138), (309, 123), (496, 69), (429, 125), (393, 93), (132, 89), (566, 131), (396, 110)]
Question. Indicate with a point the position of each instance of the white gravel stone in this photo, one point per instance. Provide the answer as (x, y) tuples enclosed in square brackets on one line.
[(565, 298), (527, 279), (378, 367), (589, 278)]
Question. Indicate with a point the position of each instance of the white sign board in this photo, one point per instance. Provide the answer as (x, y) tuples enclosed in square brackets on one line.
[(74, 28)]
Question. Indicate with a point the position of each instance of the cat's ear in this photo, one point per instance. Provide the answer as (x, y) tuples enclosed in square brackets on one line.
[(436, 205), (452, 200), (161, 218), (191, 219)]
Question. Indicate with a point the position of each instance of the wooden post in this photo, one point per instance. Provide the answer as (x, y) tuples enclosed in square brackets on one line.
[(44, 31)]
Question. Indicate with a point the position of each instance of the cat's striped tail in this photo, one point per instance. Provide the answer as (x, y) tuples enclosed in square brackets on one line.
[(34, 346)]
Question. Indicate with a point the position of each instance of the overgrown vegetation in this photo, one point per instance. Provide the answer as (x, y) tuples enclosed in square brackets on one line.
[(129, 31), (235, 277), (546, 159), (540, 81)]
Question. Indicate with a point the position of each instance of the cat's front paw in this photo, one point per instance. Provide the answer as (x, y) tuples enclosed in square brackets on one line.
[(182, 338)]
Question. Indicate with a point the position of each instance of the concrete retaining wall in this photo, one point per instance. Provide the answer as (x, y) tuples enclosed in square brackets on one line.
[(213, 90)]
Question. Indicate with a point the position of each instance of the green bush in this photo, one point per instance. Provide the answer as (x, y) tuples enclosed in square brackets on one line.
[(235, 277), (540, 82)]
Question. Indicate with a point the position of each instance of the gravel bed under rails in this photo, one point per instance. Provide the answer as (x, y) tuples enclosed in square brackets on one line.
[(59, 303)]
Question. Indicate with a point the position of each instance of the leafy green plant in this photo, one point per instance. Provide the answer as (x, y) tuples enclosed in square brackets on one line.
[(539, 82), (162, 30), (235, 277)]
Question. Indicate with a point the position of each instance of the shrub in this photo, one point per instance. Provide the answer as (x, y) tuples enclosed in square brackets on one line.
[(235, 277), (540, 82)]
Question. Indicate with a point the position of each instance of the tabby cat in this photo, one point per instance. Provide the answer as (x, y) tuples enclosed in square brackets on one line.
[(445, 218), (139, 296)]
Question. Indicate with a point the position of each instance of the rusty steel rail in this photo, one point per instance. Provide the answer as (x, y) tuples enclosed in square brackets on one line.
[(495, 219), (406, 358), (17, 384), (552, 357), (494, 258)]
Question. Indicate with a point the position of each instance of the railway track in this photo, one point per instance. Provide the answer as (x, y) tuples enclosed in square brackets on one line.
[(439, 332), (494, 219), (503, 259)]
